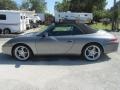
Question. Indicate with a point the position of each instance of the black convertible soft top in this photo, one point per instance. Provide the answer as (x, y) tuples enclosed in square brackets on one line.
[(83, 27)]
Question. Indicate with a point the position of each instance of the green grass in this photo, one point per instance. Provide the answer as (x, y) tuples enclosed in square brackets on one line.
[(101, 26)]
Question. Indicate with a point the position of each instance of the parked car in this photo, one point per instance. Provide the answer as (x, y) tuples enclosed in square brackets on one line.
[(64, 39)]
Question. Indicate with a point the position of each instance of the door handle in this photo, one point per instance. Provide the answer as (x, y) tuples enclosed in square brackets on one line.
[(70, 41)]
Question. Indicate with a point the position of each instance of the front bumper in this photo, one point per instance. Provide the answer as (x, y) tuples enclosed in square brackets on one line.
[(112, 47), (7, 50)]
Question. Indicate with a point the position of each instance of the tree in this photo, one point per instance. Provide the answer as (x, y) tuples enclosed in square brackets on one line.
[(100, 14), (25, 5), (49, 18), (115, 15), (8, 4), (37, 5), (91, 6), (81, 5), (63, 6)]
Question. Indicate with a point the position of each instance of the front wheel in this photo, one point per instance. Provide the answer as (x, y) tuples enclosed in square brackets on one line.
[(6, 31), (22, 52), (92, 52)]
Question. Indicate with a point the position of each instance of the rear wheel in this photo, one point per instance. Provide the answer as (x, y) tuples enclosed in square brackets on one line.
[(0, 31), (6, 31), (22, 52), (92, 52)]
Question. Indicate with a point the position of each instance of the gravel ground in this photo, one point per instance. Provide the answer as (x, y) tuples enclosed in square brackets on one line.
[(60, 73)]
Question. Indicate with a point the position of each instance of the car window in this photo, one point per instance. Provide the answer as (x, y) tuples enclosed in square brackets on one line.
[(76, 31), (2, 17), (61, 31), (87, 29), (64, 30)]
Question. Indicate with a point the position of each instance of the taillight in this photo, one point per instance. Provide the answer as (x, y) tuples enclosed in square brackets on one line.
[(114, 40)]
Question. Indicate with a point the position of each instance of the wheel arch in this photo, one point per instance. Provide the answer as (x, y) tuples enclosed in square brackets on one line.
[(7, 29), (93, 43), (23, 45)]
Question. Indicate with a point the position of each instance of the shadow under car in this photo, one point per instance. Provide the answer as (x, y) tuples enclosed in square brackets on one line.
[(61, 60)]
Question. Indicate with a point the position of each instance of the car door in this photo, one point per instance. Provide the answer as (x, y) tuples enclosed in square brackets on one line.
[(58, 41)]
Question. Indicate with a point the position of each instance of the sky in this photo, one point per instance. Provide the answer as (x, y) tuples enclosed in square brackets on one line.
[(51, 3)]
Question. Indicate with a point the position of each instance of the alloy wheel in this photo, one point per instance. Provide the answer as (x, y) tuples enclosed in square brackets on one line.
[(92, 52), (22, 53)]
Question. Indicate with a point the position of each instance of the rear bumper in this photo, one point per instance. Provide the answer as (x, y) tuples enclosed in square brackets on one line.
[(109, 48)]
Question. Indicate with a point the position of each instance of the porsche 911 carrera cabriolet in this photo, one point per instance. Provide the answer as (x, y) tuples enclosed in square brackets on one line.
[(62, 39)]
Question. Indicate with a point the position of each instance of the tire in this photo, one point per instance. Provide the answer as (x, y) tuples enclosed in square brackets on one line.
[(34, 26), (22, 52), (6, 31), (92, 52), (27, 28), (0, 31)]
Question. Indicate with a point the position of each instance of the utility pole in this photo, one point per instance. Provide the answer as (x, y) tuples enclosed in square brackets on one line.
[(114, 17)]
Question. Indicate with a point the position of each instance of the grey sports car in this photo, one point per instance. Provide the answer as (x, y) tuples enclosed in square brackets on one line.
[(62, 39)]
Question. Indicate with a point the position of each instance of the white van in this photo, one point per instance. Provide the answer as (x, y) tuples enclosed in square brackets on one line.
[(29, 19), (36, 19), (42, 17), (12, 21)]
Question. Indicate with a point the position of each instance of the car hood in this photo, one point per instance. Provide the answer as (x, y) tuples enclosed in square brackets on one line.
[(25, 37), (31, 34), (22, 38)]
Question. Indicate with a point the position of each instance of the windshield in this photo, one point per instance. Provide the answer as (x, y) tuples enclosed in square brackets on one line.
[(36, 32)]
